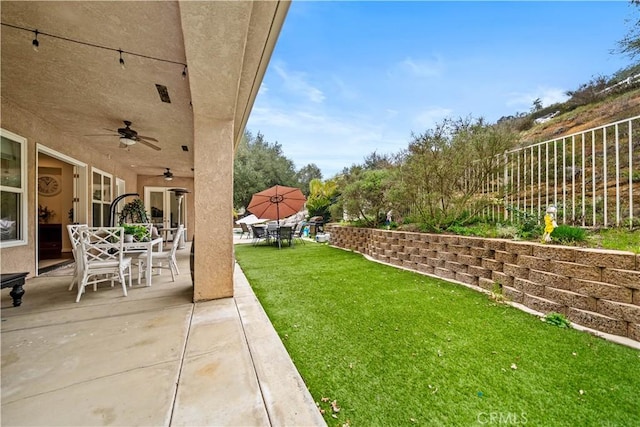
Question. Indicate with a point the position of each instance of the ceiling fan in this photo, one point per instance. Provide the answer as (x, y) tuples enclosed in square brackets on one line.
[(129, 137), (168, 175)]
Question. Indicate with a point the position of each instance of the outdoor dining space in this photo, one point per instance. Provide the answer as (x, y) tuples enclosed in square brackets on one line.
[(282, 205), (108, 254)]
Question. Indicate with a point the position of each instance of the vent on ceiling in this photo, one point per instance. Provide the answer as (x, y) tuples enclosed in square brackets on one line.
[(164, 93)]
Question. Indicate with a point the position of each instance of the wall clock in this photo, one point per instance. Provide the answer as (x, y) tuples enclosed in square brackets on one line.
[(49, 185)]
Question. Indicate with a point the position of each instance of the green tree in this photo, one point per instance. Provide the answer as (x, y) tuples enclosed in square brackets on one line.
[(363, 194), (307, 174), (321, 196), (439, 179), (259, 165)]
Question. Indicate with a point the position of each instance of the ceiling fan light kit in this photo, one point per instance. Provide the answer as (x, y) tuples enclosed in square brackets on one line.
[(127, 141)]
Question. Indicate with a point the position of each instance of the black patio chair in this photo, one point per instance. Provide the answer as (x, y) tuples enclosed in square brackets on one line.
[(259, 233), (285, 232)]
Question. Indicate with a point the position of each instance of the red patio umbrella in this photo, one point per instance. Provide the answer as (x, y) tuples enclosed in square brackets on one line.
[(276, 202)]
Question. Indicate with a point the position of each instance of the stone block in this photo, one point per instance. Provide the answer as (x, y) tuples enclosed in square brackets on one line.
[(533, 262), (634, 331), (467, 278), (449, 239), (518, 248), (557, 253), (444, 273), (409, 264), (485, 283), (550, 279), (507, 257), (512, 294), (481, 252), (458, 249), (477, 242), (515, 270), (411, 250), (455, 266), (438, 247), (479, 271), (597, 321), (609, 259), (626, 278), (570, 299), (494, 244), (619, 310), (448, 256), (502, 278), (528, 287), (416, 259), (396, 261), (543, 305), (635, 299), (603, 290), (491, 264), (425, 268), (435, 262), (579, 271), (469, 260)]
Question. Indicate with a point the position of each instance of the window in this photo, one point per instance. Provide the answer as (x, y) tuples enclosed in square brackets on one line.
[(13, 193), (101, 197)]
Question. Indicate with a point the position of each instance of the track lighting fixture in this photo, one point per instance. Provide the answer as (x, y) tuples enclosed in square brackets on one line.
[(121, 60), (35, 43)]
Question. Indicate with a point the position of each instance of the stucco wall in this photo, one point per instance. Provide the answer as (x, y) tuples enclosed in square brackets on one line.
[(594, 288), (36, 130)]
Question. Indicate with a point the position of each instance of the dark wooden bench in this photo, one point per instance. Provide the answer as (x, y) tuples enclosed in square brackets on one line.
[(15, 281)]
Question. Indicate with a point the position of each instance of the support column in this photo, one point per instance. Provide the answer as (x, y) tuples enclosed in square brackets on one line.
[(213, 198)]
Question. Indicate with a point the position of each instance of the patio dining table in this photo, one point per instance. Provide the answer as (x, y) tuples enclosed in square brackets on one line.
[(140, 247)]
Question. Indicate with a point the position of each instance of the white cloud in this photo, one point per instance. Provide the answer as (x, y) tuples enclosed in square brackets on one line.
[(427, 119), (331, 141), (295, 82), (423, 68)]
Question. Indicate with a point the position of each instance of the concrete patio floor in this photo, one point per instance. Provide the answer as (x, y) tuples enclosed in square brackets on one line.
[(152, 358)]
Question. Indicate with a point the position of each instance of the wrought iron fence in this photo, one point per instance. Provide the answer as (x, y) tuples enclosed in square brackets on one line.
[(592, 177)]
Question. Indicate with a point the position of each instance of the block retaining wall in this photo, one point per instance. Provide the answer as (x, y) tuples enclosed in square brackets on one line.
[(595, 288)]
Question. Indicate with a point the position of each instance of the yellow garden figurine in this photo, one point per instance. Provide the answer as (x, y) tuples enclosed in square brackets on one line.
[(549, 223)]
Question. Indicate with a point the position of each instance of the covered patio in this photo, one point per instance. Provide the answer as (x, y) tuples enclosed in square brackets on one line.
[(151, 358)]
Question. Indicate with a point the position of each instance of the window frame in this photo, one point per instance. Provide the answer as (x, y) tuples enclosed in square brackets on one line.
[(101, 201), (23, 231)]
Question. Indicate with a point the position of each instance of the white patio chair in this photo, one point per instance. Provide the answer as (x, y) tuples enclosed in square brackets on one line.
[(159, 259), (103, 254), (75, 238)]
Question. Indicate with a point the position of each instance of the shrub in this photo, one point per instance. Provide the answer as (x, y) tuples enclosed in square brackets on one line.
[(556, 319), (568, 234)]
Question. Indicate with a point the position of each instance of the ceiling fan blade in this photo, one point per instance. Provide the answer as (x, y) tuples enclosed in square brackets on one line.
[(148, 138), (102, 134), (148, 144)]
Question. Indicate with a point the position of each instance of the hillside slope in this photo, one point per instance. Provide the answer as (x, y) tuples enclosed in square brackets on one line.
[(612, 109)]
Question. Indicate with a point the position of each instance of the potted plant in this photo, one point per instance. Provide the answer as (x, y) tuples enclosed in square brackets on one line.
[(139, 233), (45, 214), (134, 212)]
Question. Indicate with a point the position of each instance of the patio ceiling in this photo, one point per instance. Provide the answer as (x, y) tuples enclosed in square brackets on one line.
[(82, 90)]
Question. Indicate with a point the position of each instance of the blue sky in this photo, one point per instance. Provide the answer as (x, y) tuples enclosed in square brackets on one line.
[(350, 78)]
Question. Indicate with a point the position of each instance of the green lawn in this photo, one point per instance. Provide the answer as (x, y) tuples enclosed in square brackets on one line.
[(393, 347)]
